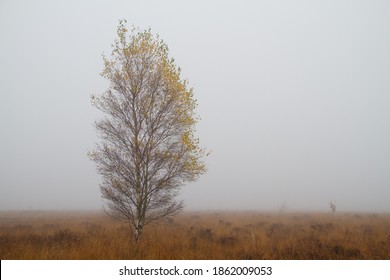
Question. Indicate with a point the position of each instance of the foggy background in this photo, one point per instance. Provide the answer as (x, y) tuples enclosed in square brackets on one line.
[(294, 98)]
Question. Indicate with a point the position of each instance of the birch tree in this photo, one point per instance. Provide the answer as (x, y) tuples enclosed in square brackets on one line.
[(148, 149)]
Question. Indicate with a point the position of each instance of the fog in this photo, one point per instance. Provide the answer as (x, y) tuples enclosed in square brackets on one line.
[(293, 96)]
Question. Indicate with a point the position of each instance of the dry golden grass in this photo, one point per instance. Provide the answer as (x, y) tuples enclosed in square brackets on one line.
[(91, 235)]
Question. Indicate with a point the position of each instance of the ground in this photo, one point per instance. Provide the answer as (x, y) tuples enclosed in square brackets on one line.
[(197, 235)]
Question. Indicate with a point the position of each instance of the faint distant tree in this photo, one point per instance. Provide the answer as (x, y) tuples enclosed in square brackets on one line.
[(148, 149), (283, 208), (332, 205)]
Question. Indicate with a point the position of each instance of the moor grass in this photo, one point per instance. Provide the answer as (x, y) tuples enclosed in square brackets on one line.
[(197, 235)]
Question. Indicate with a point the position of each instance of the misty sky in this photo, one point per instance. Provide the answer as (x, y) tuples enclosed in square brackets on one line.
[(294, 98)]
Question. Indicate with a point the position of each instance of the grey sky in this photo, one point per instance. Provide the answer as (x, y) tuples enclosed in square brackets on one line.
[(294, 98)]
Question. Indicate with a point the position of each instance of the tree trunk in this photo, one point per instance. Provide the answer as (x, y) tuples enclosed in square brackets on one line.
[(137, 233)]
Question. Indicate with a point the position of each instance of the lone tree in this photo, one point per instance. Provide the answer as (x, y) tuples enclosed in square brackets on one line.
[(148, 149)]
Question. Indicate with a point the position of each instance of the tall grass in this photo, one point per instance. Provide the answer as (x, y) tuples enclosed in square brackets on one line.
[(222, 235)]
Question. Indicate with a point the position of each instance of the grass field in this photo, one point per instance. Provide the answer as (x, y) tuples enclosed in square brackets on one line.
[(196, 235)]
